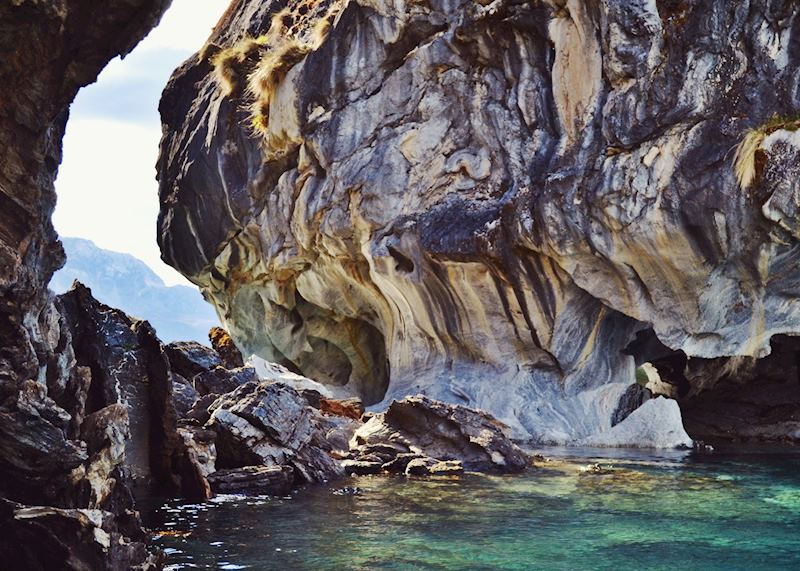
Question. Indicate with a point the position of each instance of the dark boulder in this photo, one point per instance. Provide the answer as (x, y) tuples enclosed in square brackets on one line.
[(272, 480), (190, 358), (220, 380), (439, 432)]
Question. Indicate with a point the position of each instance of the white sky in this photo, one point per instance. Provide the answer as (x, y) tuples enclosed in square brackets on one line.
[(106, 185)]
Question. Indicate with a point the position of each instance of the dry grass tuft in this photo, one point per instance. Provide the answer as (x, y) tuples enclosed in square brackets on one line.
[(254, 68), (744, 161), (747, 165)]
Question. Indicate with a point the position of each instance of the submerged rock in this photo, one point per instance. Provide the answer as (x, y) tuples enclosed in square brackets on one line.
[(431, 467)]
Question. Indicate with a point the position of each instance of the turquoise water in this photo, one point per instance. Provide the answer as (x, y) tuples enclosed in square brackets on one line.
[(646, 511)]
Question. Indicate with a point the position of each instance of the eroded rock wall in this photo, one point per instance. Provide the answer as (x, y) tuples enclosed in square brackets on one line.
[(485, 202)]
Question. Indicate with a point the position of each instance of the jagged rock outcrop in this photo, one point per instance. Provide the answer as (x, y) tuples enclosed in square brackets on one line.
[(128, 367), (271, 424), (43, 538), (50, 50), (485, 202), (428, 433)]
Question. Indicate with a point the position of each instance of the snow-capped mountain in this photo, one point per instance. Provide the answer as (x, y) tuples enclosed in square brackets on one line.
[(125, 282)]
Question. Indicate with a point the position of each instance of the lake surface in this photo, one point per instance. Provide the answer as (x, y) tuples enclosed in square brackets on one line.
[(666, 511)]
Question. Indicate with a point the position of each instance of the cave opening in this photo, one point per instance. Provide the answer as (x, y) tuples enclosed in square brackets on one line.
[(346, 352), (729, 399)]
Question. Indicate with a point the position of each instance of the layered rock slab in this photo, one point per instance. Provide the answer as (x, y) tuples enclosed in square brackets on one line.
[(271, 424), (426, 433)]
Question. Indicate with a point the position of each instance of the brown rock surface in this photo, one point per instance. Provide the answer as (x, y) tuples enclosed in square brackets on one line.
[(225, 348), (350, 408)]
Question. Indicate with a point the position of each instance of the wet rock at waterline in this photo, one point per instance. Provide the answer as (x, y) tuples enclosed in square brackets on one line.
[(485, 203), (271, 480), (439, 432)]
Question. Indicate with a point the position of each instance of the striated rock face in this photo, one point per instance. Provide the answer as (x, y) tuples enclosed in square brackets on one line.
[(271, 424), (485, 202), (438, 432)]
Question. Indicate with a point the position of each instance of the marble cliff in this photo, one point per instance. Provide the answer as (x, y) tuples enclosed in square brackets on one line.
[(508, 204), (533, 208)]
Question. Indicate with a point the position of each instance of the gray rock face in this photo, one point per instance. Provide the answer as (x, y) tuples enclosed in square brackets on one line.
[(271, 424), (485, 202)]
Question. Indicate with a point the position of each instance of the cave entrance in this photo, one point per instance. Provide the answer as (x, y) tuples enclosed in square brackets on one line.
[(346, 352), (730, 399), (669, 363)]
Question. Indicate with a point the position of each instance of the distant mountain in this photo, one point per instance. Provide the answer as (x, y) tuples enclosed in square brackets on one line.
[(127, 283)]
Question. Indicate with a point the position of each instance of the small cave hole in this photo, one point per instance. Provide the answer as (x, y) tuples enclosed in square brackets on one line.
[(403, 263)]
